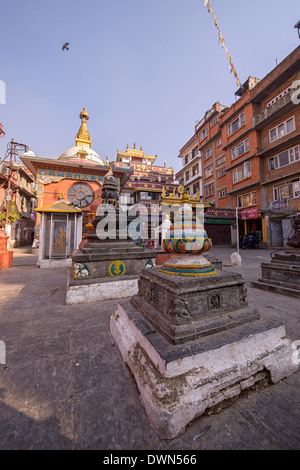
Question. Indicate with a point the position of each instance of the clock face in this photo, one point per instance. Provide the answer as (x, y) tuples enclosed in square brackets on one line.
[(81, 195)]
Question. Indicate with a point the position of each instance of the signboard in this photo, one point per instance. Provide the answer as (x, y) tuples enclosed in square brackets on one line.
[(277, 205), (222, 213), (249, 214), (48, 176)]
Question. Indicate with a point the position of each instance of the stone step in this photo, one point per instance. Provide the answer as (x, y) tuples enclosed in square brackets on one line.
[(279, 289), (276, 282)]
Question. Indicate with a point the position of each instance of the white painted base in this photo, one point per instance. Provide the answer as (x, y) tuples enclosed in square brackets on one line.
[(176, 392), (55, 263), (85, 293)]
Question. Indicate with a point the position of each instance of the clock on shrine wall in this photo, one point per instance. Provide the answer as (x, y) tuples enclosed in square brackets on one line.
[(81, 195)]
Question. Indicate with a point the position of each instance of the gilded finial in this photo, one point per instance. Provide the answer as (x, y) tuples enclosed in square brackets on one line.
[(185, 197), (83, 135)]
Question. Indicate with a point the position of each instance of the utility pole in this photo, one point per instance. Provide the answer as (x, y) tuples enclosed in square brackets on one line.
[(8, 195)]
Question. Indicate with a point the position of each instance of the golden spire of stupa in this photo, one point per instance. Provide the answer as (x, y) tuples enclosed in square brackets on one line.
[(83, 136)]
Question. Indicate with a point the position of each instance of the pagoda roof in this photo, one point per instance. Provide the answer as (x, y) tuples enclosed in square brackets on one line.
[(59, 206)]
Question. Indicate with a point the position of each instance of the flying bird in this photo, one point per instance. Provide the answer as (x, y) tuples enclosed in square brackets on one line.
[(65, 46)]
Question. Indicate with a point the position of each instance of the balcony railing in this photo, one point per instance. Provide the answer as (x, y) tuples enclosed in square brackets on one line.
[(275, 110)]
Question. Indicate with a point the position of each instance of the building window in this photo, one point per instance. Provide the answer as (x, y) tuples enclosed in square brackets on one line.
[(242, 172), (287, 190), (222, 172), (214, 122), (195, 170), (208, 153), (223, 193), (125, 198), (220, 161), (285, 158), (240, 148), (219, 142), (209, 171), (196, 188), (81, 195), (185, 160), (236, 124), (209, 190), (195, 152), (203, 134), (282, 129), (245, 200), (187, 175)]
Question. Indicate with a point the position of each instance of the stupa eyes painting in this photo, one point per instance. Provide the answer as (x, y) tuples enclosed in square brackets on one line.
[(81, 195)]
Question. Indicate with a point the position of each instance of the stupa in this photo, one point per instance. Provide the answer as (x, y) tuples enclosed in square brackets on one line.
[(107, 265), (189, 336)]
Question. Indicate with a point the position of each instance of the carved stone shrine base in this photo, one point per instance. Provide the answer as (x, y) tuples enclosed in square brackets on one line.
[(186, 308), (192, 344), (282, 274)]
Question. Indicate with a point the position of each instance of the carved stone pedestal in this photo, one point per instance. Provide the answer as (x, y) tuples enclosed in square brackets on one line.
[(187, 308), (282, 274), (192, 343)]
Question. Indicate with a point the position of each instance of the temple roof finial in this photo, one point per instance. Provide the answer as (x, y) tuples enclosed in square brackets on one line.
[(83, 135)]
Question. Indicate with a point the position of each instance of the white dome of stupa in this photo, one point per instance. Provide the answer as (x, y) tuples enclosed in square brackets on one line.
[(82, 154)]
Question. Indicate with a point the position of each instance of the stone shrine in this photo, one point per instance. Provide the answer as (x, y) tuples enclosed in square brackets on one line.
[(108, 264), (282, 274), (189, 336)]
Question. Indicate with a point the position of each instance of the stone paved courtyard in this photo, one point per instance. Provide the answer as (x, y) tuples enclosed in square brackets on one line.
[(64, 385)]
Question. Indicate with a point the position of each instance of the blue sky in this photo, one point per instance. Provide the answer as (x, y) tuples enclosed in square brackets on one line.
[(145, 71)]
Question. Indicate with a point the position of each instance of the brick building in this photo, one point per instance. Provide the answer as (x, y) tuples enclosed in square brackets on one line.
[(276, 120), (239, 143), (250, 153)]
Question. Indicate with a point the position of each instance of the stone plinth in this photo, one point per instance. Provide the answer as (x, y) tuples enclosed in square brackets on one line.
[(184, 309), (178, 383), (282, 274), (189, 336), (194, 342), (6, 256), (106, 275)]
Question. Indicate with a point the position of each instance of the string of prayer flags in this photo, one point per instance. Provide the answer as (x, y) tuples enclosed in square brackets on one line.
[(221, 41)]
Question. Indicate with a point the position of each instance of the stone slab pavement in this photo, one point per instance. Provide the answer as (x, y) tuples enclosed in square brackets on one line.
[(64, 385)]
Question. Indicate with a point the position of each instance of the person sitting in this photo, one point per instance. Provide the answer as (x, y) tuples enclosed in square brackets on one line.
[(242, 242), (255, 239)]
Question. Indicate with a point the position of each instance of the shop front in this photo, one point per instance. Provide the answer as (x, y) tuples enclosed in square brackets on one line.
[(251, 223), (219, 225)]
